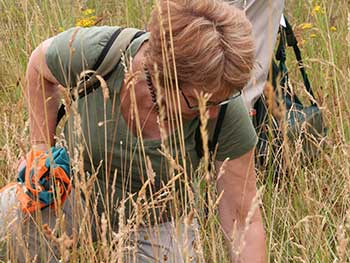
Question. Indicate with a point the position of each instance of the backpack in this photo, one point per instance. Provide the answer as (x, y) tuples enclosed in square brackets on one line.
[(303, 123)]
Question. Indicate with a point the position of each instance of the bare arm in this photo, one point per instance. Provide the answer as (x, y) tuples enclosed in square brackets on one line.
[(239, 185), (42, 96)]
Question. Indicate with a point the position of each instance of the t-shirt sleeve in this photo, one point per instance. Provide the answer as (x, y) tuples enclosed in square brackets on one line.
[(76, 50), (237, 135)]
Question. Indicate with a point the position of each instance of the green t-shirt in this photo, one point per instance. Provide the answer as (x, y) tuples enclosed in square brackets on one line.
[(106, 136)]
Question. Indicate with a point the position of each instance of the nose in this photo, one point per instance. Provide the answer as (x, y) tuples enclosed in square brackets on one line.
[(213, 112)]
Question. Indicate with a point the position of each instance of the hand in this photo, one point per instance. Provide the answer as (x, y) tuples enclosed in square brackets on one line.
[(44, 180)]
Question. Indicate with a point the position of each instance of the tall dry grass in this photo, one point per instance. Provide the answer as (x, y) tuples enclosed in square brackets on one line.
[(305, 209)]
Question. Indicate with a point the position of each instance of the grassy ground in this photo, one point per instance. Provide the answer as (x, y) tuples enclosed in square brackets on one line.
[(306, 209)]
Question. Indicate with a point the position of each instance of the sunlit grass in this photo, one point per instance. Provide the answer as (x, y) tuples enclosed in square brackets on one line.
[(305, 209)]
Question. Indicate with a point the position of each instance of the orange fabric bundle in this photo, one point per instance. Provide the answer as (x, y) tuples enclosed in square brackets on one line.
[(45, 181)]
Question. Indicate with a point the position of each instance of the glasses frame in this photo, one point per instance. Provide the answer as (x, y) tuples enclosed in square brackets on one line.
[(210, 104)]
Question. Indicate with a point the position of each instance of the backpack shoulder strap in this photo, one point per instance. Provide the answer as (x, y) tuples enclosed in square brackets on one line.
[(106, 48), (108, 59), (112, 53), (218, 126), (215, 136), (289, 38)]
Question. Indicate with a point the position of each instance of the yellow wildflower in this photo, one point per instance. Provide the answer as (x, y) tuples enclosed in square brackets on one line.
[(317, 9), (88, 19), (306, 26), (88, 12), (313, 35), (333, 28), (86, 22)]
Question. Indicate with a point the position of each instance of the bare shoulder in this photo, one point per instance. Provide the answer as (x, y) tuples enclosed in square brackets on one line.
[(37, 60)]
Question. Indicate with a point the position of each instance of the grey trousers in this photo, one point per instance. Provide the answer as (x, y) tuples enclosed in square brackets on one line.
[(25, 237), (28, 240), (265, 16)]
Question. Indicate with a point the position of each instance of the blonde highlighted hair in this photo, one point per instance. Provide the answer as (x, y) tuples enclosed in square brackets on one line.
[(211, 40)]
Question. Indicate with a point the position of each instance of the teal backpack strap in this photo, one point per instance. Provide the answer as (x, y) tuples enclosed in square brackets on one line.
[(107, 61)]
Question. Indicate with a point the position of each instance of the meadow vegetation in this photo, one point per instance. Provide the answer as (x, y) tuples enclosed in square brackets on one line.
[(306, 208)]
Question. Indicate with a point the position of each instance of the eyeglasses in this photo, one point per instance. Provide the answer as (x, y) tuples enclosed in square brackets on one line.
[(210, 103)]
